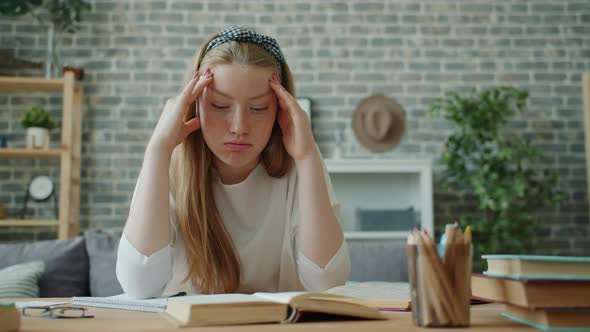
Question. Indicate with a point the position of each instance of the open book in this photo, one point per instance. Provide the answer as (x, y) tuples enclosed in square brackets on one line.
[(286, 307), (390, 296), (375, 294)]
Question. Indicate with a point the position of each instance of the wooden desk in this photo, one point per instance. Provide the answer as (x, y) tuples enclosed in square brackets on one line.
[(483, 318)]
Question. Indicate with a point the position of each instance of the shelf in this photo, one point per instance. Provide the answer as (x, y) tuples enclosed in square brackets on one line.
[(376, 235), (28, 222), (13, 84), (377, 165), (30, 153)]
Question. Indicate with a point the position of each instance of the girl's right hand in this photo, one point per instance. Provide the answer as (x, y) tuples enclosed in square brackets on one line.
[(171, 129)]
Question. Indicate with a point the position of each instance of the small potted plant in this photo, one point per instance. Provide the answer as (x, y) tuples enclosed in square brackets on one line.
[(37, 123)]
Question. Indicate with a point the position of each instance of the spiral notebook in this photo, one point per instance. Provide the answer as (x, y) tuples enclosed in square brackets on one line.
[(123, 302)]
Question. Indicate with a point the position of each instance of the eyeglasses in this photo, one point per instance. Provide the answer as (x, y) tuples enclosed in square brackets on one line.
[(56, 312)]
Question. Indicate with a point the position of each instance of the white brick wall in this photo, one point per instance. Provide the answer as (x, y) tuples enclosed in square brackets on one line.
[(135, 53)]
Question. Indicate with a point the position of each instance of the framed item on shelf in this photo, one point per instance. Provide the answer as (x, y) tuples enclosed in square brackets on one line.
[(40, 189)]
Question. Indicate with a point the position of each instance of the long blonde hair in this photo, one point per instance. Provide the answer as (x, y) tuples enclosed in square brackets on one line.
[(213, 259)]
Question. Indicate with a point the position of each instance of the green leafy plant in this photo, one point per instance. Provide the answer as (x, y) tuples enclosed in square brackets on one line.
[(500, 170), (37, 117), (18, 7), (63, 14)]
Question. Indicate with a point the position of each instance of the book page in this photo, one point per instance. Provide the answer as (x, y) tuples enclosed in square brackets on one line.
[(281, 297), (374, 290)]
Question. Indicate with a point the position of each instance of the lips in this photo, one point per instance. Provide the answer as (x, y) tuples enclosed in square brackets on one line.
[(237, 146)]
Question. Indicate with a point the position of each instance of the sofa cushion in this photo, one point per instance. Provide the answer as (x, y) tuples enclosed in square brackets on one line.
[(378, 260), (102, 252), (21, 280), (66, 264)]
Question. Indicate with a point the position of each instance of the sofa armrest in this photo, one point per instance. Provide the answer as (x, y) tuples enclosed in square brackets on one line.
[(66, 264)]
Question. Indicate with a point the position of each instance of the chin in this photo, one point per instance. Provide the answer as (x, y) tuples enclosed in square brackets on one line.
[(238, 159)]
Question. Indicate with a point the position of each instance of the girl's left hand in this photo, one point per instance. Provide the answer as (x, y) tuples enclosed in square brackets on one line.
[(294, 122)]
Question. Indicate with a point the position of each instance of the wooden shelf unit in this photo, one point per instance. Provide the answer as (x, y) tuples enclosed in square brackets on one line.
[(33, 84), (586, 96), (31, 153), (69, 153), (29, 223)]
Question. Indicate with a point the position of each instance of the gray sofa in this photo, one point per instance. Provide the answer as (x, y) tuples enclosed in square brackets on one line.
[(85, 265), (81, 266)]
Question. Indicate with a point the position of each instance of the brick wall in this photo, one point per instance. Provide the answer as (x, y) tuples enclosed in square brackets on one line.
[(135, 54)]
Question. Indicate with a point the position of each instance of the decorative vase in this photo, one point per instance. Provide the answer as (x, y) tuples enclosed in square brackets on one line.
[(52, 60), (37, 138)]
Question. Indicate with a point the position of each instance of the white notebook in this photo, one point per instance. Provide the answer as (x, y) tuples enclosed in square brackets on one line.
[(123, 302)]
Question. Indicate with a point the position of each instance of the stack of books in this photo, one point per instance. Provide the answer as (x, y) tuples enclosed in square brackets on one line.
[(550, 293)]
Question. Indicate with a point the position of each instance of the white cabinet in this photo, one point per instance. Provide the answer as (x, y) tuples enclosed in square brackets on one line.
[(382, 185)]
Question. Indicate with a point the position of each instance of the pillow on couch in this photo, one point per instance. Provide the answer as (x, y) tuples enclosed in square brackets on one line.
[(102, 252), (21, 280), (66, 264)]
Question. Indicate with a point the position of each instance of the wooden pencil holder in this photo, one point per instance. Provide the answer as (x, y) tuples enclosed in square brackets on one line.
[(440, 288)]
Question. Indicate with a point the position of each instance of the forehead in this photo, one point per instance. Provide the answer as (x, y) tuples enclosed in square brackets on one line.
[(241, 81)]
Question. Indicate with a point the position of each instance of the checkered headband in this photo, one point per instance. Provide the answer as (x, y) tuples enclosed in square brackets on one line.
[(240, 34)]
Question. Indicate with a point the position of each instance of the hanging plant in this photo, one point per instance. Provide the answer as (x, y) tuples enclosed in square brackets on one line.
[(63, 14), (57, 16)]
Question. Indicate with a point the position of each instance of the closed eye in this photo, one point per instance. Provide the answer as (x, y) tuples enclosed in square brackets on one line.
[(219, 106), (259, 108)]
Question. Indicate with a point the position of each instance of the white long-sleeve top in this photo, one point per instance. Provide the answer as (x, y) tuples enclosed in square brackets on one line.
[(261, 216)]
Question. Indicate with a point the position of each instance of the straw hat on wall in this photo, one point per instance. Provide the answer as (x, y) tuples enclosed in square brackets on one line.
[(379, 123)]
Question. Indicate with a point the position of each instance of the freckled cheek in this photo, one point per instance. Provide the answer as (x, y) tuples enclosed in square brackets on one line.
[(266, 124), (212, 123)]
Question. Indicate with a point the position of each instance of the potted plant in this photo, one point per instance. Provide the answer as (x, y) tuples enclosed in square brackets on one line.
[(57, 16), (37, 123), (499, 169)]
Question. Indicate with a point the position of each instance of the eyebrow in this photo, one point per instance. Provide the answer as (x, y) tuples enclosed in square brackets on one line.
[(228, 96)]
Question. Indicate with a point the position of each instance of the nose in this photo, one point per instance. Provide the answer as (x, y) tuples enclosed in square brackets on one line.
[(239, 121)]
